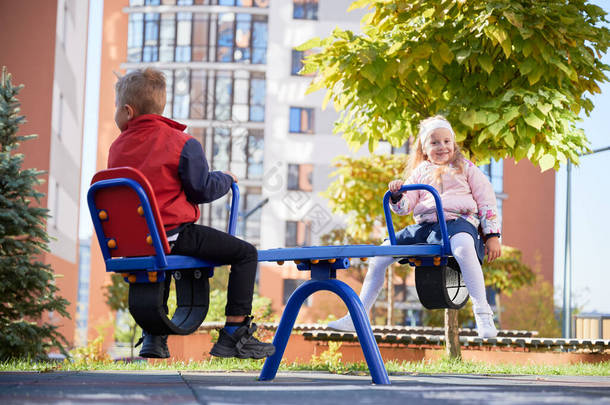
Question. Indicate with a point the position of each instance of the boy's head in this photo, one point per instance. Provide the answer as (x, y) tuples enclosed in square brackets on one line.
[(139, 92)]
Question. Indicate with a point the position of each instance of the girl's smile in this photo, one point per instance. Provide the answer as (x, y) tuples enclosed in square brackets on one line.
[(439, 146)]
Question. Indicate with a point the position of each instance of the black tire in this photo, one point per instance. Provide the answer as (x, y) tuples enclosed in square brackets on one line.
[(441, 286), (193, 300)]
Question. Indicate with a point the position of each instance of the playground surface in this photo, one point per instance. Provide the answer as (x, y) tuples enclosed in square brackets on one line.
[(192, 387)]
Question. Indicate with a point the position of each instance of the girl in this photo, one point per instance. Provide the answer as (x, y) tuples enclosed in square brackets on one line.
[(468, 201)]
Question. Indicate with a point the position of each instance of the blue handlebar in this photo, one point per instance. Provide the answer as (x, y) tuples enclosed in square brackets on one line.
[(234, 208), (446, 247)]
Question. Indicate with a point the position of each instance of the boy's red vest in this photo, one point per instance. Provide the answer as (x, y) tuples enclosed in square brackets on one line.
[(173, 162)]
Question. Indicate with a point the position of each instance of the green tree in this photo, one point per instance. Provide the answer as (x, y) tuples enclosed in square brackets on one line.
[(512, 76), (27, 285)]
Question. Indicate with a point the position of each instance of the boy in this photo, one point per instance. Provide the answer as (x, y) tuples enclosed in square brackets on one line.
[(175, 164)]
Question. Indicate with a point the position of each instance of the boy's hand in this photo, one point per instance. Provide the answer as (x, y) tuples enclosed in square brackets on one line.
[(493, 249), (232, 175), (395, 185)]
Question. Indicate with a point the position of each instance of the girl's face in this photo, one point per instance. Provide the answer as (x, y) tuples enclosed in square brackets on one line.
[(439, 146)]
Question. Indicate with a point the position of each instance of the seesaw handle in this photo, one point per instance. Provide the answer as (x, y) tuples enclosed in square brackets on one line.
[(446, 248)]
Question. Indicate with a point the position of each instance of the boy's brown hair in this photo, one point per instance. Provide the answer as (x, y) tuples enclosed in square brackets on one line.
[(144, 90)]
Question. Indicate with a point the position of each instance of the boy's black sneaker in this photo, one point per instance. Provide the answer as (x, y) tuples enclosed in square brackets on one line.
[(153, 346), (241, 343)]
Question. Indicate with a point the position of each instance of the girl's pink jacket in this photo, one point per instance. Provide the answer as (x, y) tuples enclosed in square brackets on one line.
[(469, 195)]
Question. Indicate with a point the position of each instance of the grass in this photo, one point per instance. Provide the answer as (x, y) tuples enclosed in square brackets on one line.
[(393, 367)]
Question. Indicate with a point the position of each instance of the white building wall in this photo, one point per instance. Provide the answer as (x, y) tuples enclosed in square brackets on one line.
[(283, 148), (67, 127)]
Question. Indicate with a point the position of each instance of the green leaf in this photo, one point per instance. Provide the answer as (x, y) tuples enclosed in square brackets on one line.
[(422, 51), (514, 19), (511, 114), (314, 42), (535, 75), (546, 162), (495, 128), (506, 47), (509, 139), (462, 55), (327, 98), (468, 118), (527, 66), (545, 108), (533, 121), (445, 52), (389, 93), (358, 4), (486, 63), (369, 73)]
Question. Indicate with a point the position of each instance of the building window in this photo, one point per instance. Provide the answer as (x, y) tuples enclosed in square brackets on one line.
[(185, 37), (201, 43), (305, 9), (167, 37), (291, 284), (301, 120), (150, 52), (300, 177), (297, 62), (298, 233), (240, 151), (135, 37)]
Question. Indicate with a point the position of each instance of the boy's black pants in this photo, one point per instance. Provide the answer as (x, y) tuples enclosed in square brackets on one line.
[(220, 247)]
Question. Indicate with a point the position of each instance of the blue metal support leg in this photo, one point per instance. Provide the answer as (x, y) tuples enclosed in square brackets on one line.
[(370, 349)]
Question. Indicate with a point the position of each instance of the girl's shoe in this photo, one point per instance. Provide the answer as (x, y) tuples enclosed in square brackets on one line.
[(485, 325), (344, 324)]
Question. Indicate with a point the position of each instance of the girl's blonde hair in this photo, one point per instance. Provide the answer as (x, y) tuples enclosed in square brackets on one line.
[(418, 155)]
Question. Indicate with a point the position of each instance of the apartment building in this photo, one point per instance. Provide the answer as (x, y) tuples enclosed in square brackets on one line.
[(44, 47), (232, 77)]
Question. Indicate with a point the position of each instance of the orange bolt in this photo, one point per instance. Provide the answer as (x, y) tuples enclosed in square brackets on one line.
[(315, 261), (111, 243), (418, 262), (280, 262), (436, 261), (103, 215), (140, 210), (132, 278), (363, 259), (332, 260), (125, 275), (152, 276), (149, 240), (297, 262)]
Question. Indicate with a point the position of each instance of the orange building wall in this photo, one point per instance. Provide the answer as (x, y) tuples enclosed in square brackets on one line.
[(529, 214), (114, 52), (29, 55)]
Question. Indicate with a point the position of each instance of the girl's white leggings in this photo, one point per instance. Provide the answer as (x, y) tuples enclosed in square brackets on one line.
[(462, 247)]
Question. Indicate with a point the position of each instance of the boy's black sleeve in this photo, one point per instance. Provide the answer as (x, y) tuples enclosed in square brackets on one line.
[(200, 184)]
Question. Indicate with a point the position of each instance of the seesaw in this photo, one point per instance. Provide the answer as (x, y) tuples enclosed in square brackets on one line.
[(129, 230)]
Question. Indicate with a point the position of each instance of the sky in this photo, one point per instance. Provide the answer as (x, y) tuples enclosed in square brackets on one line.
[(590, 187)]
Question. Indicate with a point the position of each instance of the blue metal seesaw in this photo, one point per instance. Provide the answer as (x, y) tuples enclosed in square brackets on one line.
[(323, 262), (127, 223)]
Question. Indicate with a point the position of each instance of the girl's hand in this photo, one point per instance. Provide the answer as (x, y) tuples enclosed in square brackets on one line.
[(395, 185), (493, 249)]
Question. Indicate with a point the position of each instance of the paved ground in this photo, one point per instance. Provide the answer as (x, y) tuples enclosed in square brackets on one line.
[(302, 388)]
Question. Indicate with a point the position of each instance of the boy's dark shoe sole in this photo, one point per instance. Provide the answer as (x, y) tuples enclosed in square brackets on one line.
[(154, 347), (241, 344)]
